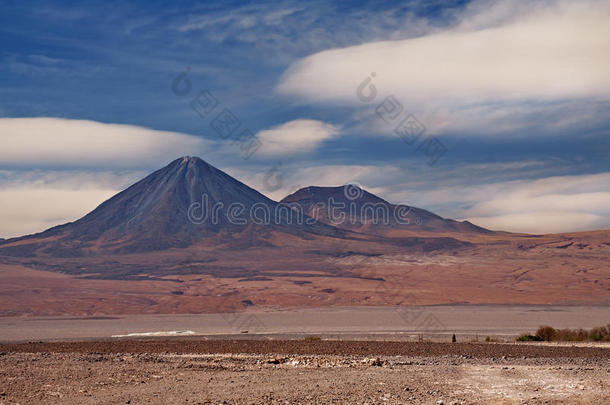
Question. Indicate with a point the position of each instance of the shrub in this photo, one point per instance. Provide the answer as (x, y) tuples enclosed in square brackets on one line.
[(546, 333), (600, 333), (569, 335), (529, 338)]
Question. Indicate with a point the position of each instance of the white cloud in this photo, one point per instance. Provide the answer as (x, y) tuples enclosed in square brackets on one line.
[(554, 204), (555, 52), (542, 222), (79, 143), (479, 73), (293, 137), (30, 210), (546, 205), (33, 201), (69, 179)]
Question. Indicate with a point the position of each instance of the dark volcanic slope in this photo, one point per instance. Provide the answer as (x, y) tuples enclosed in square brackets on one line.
[(185, 202), (350, 207)]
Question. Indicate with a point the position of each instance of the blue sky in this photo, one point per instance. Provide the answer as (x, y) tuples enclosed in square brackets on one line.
[(516, 93)]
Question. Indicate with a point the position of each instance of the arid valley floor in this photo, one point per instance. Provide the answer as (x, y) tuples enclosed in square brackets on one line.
[(137, 302)]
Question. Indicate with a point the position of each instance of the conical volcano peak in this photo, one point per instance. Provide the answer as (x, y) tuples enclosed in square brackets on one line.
[(191, 159), (193, 168)]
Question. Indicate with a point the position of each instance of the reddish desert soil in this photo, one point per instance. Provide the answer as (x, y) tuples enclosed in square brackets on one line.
[(274, 372), (565, 269)]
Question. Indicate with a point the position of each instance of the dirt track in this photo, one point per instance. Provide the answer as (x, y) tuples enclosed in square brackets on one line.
[(273, 372)]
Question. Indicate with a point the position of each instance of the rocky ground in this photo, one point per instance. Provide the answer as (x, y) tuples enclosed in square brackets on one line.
[(248, 372)]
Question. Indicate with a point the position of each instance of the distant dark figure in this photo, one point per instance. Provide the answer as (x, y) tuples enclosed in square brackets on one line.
[(453, 339)]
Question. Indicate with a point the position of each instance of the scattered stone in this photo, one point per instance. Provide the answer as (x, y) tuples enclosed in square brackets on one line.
[(377, 362)]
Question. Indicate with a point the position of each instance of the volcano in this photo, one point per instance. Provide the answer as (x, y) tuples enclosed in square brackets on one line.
[(186, 202), (353, 208)]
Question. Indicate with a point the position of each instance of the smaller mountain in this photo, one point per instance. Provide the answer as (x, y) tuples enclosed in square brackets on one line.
[(353, 208)]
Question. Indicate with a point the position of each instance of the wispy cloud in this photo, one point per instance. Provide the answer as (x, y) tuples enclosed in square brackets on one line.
[(291, 29)]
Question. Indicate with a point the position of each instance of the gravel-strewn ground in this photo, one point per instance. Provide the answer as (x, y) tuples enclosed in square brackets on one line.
[(199, 372)]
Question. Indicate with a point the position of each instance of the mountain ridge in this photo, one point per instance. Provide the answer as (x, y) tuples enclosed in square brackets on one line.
[(184, 202), (159, 211)]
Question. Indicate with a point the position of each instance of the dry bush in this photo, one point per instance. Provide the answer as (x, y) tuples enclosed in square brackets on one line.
[(526, 337), (601, 333), (548, 334), (569, 335)]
